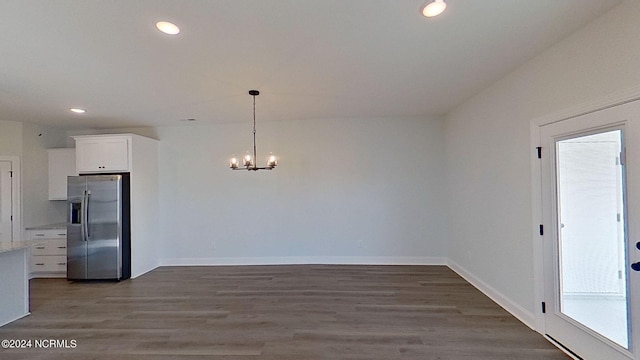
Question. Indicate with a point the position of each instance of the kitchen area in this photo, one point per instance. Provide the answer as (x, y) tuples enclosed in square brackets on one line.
[(107, 185)]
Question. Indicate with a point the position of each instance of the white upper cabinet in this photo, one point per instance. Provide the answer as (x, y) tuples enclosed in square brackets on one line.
[(103, 153), (62, 163)]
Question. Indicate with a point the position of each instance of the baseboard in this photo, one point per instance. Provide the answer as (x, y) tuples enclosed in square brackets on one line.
[(561, 347), (17, 318), (57, 275), (140, 273), (514, 309), (298, 260)]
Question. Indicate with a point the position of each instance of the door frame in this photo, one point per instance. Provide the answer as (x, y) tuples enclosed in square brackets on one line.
[(606, 102), (16, 196)]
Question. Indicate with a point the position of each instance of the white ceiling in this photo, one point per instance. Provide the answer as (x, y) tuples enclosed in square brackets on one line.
[(310, 59)]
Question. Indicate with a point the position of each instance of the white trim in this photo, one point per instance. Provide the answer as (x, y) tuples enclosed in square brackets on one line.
[(17, 318), (536, 220), (513, 308), (559, 346), (615, 99), (298, 260), (135, 276), (16, 196)]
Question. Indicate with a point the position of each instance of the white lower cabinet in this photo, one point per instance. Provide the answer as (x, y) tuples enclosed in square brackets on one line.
[(49, 256)]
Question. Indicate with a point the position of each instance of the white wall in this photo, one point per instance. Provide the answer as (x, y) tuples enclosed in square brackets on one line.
[(37, 208), (489, 153), (29, 142), (346, 190), (10, 138)]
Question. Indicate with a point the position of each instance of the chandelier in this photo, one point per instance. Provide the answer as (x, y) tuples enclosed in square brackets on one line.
[(248, 161)]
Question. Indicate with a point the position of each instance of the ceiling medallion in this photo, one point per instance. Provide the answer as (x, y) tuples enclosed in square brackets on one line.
[(248, 162)]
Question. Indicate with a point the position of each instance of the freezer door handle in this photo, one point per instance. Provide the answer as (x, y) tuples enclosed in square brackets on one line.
[(83, 217), (87, 228)]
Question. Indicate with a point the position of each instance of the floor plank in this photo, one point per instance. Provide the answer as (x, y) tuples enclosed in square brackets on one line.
[(274, 312)]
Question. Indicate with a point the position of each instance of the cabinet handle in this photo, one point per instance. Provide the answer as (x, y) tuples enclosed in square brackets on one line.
[(62, 234), (41, 264), (61, 247), (62, 263), (39, 234), (40, 247)]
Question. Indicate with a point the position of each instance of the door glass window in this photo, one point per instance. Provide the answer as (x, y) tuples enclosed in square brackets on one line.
[(591, 221)]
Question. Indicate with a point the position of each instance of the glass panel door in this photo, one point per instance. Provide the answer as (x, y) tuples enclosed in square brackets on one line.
[(590, 182), (591, 241)]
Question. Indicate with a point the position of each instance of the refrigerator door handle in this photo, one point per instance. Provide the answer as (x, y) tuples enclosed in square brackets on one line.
[(83, 216), (86, 216)]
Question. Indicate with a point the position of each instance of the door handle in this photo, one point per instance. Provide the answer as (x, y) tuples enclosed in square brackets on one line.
[(636, 266), (83, 217), (87, 227)]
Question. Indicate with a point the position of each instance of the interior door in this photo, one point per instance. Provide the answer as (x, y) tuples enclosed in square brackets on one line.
[(6, 202), (590, 180)]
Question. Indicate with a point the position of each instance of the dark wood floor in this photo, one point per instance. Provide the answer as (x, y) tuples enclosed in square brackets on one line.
[(274, 312)]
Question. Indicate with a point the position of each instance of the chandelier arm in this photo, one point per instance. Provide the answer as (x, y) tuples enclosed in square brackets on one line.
[(253, 168)]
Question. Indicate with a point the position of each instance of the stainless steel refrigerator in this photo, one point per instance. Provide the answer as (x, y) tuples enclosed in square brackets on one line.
[(98, 227)]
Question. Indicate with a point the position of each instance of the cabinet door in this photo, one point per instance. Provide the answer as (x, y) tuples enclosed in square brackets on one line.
[(89, 155), (115, 154), (62, 163), (102, 154)]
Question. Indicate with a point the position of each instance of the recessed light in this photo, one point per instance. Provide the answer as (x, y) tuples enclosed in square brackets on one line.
[(433, 8), (168, 28), (78, 111)]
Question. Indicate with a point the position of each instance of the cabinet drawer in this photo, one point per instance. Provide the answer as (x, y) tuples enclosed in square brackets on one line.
[(49, 263), (50, 247), (47, 234)]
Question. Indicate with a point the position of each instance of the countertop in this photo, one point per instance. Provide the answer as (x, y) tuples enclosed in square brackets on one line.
[(48, 227), (6, 246)]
